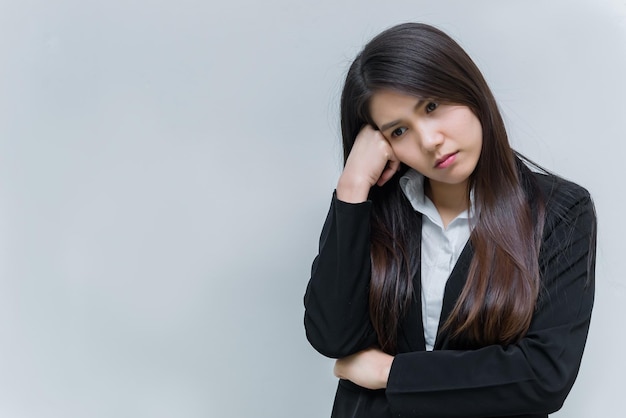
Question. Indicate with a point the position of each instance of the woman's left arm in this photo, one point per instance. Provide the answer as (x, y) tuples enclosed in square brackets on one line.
[(532, 376)]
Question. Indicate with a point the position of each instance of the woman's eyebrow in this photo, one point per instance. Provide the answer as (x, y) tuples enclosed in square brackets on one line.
[(397, 122), (389, 125)]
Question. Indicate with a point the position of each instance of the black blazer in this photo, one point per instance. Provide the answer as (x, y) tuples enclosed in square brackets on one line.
[(528, 379)]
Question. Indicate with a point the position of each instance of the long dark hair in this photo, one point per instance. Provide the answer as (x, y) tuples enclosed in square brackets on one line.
[(497, 303)]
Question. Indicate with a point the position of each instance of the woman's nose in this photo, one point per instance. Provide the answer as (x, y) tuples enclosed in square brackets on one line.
[(431, 138)]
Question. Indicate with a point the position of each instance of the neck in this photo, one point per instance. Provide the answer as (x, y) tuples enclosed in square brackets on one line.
[(449, 199)]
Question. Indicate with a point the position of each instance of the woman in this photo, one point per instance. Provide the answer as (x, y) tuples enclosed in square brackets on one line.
[(451, 280)]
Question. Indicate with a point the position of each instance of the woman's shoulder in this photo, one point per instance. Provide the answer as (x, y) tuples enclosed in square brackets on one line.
[(555, 187), (562, 198)]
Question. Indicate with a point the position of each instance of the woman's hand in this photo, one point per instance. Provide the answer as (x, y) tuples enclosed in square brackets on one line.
[(368, 368), (371, 161)]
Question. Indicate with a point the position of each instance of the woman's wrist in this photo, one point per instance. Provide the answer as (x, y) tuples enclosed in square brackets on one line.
[(352, 191), (385, 371)]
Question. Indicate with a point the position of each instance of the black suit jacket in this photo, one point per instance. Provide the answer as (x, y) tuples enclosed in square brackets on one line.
[(528, 379)]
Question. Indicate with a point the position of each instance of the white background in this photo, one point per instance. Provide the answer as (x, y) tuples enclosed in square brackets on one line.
[(166, 166)]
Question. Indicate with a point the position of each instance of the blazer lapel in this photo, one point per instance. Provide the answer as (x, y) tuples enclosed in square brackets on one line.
[(453, 288), (411, 330)]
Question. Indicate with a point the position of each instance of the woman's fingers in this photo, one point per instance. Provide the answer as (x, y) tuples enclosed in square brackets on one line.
[(371, 161), (392, 167), (368, 368)]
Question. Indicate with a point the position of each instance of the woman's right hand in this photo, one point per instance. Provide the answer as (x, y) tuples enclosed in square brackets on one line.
[(371, 161)]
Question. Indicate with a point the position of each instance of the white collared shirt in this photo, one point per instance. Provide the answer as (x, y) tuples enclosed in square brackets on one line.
[(441, 248)]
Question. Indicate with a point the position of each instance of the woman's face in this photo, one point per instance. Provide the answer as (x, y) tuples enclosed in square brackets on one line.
[(441, 141)]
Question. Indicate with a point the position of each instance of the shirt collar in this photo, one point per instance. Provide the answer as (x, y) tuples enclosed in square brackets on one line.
[(412, 185)]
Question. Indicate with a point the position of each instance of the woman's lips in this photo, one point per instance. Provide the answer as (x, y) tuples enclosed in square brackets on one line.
[(446, 160)]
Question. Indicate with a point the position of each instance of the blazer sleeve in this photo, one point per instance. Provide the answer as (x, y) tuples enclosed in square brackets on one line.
[(336, 301), (534, 375)]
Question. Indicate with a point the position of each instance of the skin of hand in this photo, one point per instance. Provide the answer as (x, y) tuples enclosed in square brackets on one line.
[(368, 368), (371, 161)]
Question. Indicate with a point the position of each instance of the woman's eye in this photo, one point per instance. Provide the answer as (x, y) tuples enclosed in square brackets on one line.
[(398, 132), (431, 106)]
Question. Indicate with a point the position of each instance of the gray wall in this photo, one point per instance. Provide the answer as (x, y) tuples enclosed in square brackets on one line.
[(166, 166)]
